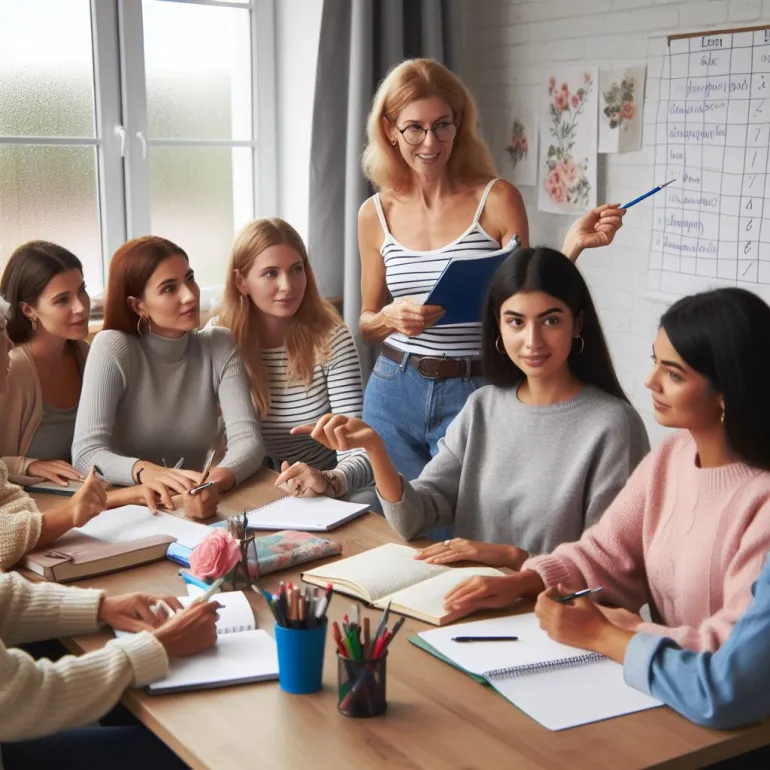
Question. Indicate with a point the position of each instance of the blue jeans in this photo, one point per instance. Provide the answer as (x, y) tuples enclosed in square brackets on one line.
[(411, 413)]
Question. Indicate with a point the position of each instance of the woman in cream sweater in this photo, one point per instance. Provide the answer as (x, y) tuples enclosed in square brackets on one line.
[(41, 701)]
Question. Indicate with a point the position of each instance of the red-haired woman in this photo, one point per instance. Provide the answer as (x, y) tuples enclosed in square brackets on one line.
[(154, 384)]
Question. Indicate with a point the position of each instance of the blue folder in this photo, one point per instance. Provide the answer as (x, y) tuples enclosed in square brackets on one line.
[(462, 286)]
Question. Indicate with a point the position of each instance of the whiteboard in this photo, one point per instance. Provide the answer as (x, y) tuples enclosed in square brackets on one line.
[(711, 227)]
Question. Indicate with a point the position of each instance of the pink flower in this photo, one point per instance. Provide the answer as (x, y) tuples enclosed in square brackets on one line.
[(523, 143), (628, 111), (587, 77), (554, 186), (564, 87), (568, 171), (575, 100), (551, 85), (215, 556), (561, 100)]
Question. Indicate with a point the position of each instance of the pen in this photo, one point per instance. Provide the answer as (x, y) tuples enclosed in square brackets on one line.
[(578, 594), (201, 487), (485, 638), (647, 194), (188, 577), (383, 622), (213, 588)]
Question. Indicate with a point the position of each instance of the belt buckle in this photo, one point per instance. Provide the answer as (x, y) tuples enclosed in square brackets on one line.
[(431, 372)]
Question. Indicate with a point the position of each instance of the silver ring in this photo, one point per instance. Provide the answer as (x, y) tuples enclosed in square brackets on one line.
[(447, 542)]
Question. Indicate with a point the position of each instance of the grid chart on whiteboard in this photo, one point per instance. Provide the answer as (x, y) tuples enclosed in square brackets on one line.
[(711, 227)]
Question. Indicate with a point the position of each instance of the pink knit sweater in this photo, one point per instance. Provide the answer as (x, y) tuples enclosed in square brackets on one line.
[(688, 540)]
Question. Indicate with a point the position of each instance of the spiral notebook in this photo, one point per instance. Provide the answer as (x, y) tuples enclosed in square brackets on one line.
[(557, 685)]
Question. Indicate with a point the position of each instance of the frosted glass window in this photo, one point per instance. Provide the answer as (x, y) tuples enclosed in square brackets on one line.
[(199, 198), (198, 71), (46, 68), (50, 193)]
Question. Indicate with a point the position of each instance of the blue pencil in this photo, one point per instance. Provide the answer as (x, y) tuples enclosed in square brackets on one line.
[(647, 194)]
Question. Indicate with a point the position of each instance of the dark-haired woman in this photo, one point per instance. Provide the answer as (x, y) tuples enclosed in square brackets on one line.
[(535, 457), (47, 321), (690, 531), (154, 384)]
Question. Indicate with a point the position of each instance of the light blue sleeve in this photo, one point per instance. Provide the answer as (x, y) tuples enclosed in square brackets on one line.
[(723, 689)]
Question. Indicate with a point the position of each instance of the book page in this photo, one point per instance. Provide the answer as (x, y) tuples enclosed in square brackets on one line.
[(235, 614), (133, 522), (380, 571), (247, 657), (427, 597)]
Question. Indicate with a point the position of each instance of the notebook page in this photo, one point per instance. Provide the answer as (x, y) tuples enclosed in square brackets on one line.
[(247, 657), (235, 615), (574, 696), (304, 514), (533, 646), (133, 522), (427, 597), (381, 571)]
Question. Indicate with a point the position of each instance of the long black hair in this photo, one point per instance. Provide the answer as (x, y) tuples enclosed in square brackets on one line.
[(723, 334), (29, 270), (549, 271)]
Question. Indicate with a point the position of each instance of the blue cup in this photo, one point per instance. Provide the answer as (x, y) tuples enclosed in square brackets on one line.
[(300, 658)]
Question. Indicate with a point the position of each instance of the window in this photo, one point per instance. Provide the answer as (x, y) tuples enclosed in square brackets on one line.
[(125, 117)]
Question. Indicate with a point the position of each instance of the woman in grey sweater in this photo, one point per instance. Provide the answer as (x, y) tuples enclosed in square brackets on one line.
[(154, 384), (535, 457)]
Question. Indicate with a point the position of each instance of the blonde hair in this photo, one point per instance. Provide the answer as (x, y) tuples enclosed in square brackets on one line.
[(307, 341), (409, 81)]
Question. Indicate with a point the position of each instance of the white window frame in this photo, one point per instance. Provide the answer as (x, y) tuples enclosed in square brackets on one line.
[(120, 139)]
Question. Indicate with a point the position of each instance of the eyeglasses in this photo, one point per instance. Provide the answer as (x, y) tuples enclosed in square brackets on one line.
[(414, 134)]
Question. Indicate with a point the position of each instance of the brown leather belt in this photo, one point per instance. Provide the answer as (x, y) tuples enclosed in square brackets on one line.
[(435, 367)]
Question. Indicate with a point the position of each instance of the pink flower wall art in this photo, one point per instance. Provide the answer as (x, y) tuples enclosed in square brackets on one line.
[(568, 135), (620, 110), (516, 141)]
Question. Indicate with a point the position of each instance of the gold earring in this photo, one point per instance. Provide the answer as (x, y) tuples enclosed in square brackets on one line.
[(394, 142), (582, 345), (147, 329), (497, 345)]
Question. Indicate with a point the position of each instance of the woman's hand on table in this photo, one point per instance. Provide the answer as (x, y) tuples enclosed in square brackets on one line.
[(460, 549)]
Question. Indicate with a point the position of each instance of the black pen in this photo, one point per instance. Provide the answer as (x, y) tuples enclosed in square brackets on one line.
[(485, 638), (578, 594)]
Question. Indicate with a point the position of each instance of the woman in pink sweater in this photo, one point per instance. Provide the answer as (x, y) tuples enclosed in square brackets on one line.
[(690, 531)]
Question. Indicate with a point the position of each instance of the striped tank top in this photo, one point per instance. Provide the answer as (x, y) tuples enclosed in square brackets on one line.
[(409, 272)]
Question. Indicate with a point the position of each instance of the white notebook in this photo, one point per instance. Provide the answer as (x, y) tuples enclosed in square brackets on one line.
[(557, 685), (304, 514), (134, 522), (242, 653)]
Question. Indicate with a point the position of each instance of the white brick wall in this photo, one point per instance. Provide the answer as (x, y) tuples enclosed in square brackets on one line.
[(508, 45)]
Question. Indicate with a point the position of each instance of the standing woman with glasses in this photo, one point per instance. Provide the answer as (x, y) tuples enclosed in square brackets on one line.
[(438, 200)]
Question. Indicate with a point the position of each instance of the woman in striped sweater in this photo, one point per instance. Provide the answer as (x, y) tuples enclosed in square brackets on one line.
[(300, 357)]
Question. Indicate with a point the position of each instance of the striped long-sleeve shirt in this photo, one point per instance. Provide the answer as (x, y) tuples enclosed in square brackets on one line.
[(336, 387)]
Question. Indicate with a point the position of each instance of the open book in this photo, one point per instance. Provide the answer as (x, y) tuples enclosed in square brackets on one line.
[(241, 655), (305, 514), (555, 684), (390, 573), (116, 539)]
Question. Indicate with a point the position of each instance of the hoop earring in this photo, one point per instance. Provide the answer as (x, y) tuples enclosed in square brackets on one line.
[(147, 329), (582, 346), (497, 345)]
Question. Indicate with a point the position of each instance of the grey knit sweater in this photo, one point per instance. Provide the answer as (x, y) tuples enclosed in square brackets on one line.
[(157, 399), (530, 476)]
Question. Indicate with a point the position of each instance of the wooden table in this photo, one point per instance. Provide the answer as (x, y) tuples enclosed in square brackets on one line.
[(437, 717)]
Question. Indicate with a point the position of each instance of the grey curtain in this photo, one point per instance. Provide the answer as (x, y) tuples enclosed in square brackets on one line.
[(360, 41)]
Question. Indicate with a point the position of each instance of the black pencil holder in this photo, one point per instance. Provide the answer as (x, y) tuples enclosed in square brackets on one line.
[(361, 688)]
